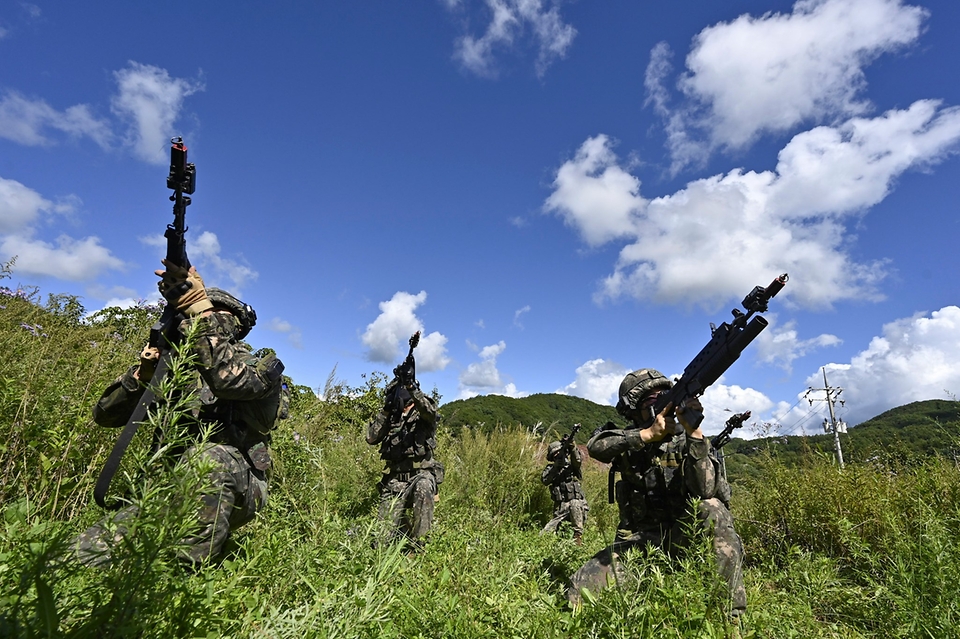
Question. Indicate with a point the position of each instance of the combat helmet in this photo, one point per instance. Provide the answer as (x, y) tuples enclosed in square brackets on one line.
[(242, 311), (553, 450), (638, 385)]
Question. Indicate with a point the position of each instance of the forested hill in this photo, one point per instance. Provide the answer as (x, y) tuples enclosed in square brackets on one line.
[(550, 410), (912, 431)]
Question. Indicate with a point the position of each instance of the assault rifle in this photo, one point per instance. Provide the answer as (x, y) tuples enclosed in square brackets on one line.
[(164, 335), (721, 440), (406, 372), (567, 441), (727, 342), (735, 421)]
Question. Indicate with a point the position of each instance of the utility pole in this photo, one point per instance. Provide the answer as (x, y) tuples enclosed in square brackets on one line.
[(834, 426)]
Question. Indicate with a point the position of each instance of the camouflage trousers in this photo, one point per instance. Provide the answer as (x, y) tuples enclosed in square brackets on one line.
[(712, 519), (574, 510), (234, 494), (406, 504)]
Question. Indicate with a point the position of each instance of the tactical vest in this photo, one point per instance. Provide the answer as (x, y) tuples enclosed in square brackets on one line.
[(566, 485), (408, 438), (652, 485)]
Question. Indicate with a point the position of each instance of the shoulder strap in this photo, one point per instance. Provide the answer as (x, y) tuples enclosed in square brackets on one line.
[(120, 447)]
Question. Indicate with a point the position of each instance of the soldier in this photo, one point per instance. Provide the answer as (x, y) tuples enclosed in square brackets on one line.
[(665, 470), (563, 475), (406, 429), (241, 394)]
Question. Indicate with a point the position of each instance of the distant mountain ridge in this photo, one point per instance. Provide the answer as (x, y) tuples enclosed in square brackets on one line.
[(916, 429), (550, 410), (912, 431)]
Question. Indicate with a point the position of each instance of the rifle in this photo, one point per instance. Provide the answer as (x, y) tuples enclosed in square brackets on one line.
[(727, 342), (164, 335), (735, 421), (567, 441), (406, 372), (721, 440)]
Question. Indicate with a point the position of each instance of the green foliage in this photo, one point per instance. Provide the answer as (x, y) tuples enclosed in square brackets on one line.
[(872, 551), (911, 433), (544, 412)]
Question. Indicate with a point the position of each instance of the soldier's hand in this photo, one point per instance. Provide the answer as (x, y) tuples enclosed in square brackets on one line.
[(659, 428), (149, 357), (183, 288), (690, 415)]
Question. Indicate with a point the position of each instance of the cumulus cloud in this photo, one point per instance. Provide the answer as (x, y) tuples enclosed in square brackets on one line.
[(805, 66), (32, 121), (394, 326), (597, 380), (204, 252), (22, 210), (751, 226), (150, 100), (293, 333), (915, 358), (511, 20), (484, 377), (781, 345)]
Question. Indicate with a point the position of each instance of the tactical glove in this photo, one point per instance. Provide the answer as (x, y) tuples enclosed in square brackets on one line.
[(690, 414), (149, 357), (183, 288)]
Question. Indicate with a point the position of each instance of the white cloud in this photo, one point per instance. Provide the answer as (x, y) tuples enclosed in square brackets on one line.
[(67, 259), (805, 66), (394, 326), (30, 122), (21, 211), (147, 99), (915, 358), (484, 377), (204, 253), (293, 333), (597, 380), (593, 194), (509, 20), (751, 226), (150, 100), (520, 312), (781, 345)]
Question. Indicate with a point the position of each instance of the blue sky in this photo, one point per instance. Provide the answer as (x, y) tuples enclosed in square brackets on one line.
[(554, 192)]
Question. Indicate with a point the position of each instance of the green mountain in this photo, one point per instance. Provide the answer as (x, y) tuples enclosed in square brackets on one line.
[(548, 410), (911, 432)]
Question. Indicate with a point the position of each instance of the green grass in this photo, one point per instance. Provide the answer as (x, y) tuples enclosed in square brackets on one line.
[(872, 551)]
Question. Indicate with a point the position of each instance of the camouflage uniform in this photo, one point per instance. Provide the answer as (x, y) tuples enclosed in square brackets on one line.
[(406, 429), (240, 392), (563, 476), (660, 482)]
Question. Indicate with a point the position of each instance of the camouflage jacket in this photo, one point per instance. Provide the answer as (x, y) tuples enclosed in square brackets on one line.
[(405, 433), (563, 476), (238, 390), (660, 478)]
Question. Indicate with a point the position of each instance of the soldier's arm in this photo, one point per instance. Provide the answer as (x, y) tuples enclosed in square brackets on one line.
[(118, 401), (424, 405), (610, 443), (551, 472), (700, 468), (576, 458), (378, 428), (227, 367)]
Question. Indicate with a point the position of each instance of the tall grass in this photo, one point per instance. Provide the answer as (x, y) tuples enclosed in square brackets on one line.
[(872, 551)]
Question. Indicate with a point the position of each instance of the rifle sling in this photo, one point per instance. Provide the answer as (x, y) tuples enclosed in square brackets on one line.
[(120, 447)]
